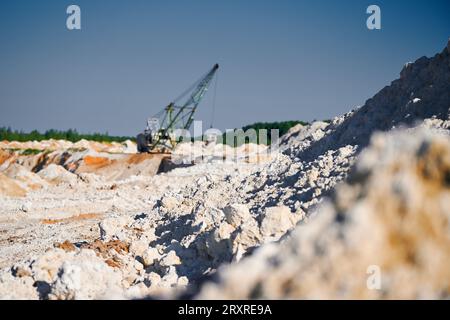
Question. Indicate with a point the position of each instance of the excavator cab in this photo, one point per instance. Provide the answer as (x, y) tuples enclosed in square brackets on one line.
[(143, 141)]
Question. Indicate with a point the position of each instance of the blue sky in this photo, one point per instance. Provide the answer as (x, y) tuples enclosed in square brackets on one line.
[(280, 60)]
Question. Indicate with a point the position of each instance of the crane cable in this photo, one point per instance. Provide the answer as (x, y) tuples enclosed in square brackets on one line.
[(214, 100)]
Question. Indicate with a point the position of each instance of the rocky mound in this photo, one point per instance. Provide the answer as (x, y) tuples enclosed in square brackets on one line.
[(421, 92), (391, 217), (27, 179), (57, 174)]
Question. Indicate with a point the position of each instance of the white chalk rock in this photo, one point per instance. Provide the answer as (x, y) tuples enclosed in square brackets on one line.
[(277, 221), (139, 247), (247, 236), (169, 203), (170, 259), (150, 256), (237, 214), (111, 227)]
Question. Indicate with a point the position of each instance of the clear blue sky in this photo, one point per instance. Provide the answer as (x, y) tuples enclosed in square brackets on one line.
[(280, 60)]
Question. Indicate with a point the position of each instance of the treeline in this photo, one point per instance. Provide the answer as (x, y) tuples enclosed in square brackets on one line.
[(69, 135), (73, 136), (282, 127)]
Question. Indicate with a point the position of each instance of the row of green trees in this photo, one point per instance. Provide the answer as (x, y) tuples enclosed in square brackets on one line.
[(69, 135), (282, 128), (73, 136)]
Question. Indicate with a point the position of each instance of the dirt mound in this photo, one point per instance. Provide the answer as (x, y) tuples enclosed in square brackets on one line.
[(119, 167), (26, 178), (10, 188), (57, 174), (4, 156)]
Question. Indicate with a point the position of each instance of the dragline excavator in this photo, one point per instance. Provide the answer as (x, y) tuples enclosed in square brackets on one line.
[(159, 135)]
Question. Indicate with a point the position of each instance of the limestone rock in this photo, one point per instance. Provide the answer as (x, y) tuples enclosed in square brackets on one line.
[(248, 236), (169, 203), (170, 259), (85, 279), (111, 228), (139, 247), (17, 288), (277, 221), (150, 256), (237, 214)]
